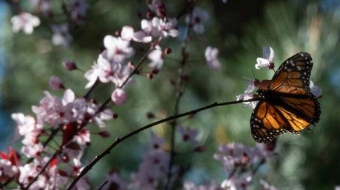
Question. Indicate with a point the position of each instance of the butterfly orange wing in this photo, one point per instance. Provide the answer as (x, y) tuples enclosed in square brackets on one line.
[(293, 75), (290, 107)]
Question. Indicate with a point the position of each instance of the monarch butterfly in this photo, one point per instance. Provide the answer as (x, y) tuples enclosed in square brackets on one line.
[(285, 102)]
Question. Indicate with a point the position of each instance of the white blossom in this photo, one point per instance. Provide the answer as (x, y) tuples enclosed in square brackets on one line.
[(24, 22)]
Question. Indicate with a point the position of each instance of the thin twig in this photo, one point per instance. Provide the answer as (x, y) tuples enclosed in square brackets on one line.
[(179, 93), (127, 136), (101, 187)]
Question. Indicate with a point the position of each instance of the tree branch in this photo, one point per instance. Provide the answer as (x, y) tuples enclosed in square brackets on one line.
[(123, 138)]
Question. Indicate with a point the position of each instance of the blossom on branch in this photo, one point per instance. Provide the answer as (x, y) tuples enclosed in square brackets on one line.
[(197, 19), (61, 35), (267, 59), (211, 57), (25, 22)]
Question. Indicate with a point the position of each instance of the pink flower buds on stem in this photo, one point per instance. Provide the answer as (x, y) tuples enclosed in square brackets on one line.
[(104, 134), (118, 96), (55, 83), (70, 65)]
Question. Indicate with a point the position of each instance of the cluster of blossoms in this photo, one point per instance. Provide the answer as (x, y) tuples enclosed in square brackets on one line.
[(240, 163), (75, 10), (71, 114), (153, 170), (267, 61), (68, 114)]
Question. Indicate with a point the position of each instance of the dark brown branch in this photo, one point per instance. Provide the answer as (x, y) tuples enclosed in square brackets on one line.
[(123, 138), (101, 187), (179, 93)]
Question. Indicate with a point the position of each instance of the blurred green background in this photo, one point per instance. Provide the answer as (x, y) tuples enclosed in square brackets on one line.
[(239, 29)]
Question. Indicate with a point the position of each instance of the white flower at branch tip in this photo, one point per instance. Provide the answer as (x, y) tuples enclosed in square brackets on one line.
[(156, 57), (117, 49), (198, 18), (267, 59), (25, 124), (315, 90), (164, 27), (61, 35), (118, 96), (337, 188), (56, 83), (24, 22), (211, 55), (266, 186), (247, 96)]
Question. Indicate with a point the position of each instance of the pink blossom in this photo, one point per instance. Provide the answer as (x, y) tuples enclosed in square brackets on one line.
[(78, 10), (235, 154), (188, 135), (156, 57), (32, 150), (211, 57), (118, 96), (153, 169), (24, 22), (156, 142), (55, 83), (127, 33), (7, 168), (237, 183), (267, 59), (164, 27), (115, 182), (198, 18), (117, 49), (61, 35), (158, 7), (55, 110)]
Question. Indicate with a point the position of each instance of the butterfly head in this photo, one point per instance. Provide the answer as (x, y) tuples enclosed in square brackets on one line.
[(264, 85)]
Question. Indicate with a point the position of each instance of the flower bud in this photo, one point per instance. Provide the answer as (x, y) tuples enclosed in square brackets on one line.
[(55, 83), (118, 96), (69, 65)]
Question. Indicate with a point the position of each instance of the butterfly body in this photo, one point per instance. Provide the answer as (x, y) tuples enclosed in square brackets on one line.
[(285, 102)]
